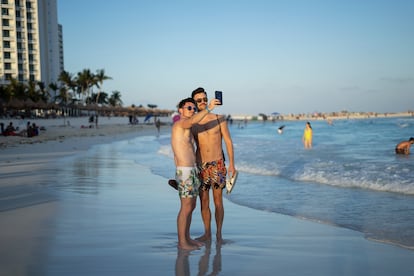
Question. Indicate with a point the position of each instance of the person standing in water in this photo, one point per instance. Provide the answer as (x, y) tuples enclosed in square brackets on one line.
[(404, 146), (307, 136), (209, 134), (186, 175)]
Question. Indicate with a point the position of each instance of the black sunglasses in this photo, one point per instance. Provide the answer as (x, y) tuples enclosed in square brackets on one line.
[(202, 100), (189, 108)]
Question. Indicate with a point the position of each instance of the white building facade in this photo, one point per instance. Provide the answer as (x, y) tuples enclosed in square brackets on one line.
[(31, 41)]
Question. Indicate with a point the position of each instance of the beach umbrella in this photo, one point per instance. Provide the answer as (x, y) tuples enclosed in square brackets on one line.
[(40, 104), (15, 103), (29, 103)]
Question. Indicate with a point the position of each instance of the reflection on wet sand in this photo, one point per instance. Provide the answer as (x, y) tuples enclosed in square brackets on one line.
[(182, 264)]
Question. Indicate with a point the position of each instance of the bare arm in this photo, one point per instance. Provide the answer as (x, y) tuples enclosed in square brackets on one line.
[(229, 146), (200, 115)]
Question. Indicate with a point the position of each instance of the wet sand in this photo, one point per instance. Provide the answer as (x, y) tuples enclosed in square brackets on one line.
[(67, 208)]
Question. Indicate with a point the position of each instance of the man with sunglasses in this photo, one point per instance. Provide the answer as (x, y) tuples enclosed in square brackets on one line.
[(182, 143), (208, 134)]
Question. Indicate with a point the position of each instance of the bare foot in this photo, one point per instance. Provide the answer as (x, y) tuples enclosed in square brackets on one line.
[(196, 243), (204, 238), (188, 246), (219, 238)]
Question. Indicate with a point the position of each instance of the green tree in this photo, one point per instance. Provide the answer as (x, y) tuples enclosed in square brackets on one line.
[(16, 90), (42, 93), (54, 87), (115, 99), (100, 77), (85, 80), (67, 84), (103, 98)]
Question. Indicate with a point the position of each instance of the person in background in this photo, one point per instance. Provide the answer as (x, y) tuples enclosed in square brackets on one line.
[(158, 126), (307, 136), (280, 129), (208, 134), (35, 129), (404, 146), (182, 143), (29, 130), (10, 130)]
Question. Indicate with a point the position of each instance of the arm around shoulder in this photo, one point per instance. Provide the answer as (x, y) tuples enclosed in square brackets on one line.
[(200, 115)]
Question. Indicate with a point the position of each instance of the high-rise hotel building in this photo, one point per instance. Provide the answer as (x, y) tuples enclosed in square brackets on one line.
[(31, 41)]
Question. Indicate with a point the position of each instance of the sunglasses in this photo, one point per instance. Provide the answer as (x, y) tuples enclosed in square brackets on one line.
[(201, 100), (189, 108)]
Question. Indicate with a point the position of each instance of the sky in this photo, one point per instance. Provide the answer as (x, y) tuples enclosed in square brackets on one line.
[(286, 56)]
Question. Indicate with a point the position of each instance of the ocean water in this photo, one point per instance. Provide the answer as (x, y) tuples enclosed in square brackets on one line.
[(351, 177)]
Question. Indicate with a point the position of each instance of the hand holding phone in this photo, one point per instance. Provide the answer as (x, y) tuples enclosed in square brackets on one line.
[(219, 96)]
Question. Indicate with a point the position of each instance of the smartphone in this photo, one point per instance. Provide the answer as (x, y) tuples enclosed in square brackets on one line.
[(219, 96)]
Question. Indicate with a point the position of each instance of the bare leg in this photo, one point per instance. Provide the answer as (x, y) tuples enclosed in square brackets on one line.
[(189, 239), (205, 215), (183, 223), (219, 212), (182, 265), (204, 260)]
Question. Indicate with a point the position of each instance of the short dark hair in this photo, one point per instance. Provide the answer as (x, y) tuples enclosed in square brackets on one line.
[(198, 91), (411, 139), (184, 101)]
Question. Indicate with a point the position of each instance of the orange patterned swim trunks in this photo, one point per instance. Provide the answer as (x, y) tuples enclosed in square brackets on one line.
[(212, 174)]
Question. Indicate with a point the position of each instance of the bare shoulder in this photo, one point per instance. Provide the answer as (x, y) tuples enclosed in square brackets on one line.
[(209, 125), (207, 119), (220, 118)]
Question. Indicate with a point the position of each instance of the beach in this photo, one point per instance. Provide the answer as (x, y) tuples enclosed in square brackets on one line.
[(72, 203)]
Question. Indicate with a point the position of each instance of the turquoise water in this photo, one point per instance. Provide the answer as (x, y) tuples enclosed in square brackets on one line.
[(351, 178)]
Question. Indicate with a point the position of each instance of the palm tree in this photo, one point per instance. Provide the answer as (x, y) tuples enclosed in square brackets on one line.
[(103, 98), (31, 91), (100, 77), (4, 95), (42, 93), (54, 87), (85, 80), (115, 99), (68, 83), (16, 90)]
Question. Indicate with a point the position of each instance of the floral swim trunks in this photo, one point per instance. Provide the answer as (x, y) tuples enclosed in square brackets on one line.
[(212, 174), (188, 182)]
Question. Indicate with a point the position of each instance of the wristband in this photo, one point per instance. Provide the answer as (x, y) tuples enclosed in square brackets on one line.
[(208, 110)]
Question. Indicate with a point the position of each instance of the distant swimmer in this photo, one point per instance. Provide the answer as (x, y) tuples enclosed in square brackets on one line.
[(404, 146), (280, 129)]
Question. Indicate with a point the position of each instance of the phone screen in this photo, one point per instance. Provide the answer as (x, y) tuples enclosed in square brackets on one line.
[(219, 96)]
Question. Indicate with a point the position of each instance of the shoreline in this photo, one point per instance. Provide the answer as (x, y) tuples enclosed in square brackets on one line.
[(61, 129)]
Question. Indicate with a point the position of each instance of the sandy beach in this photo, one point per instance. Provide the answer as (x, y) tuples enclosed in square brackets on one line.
[(79, 127), (70, 204)]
